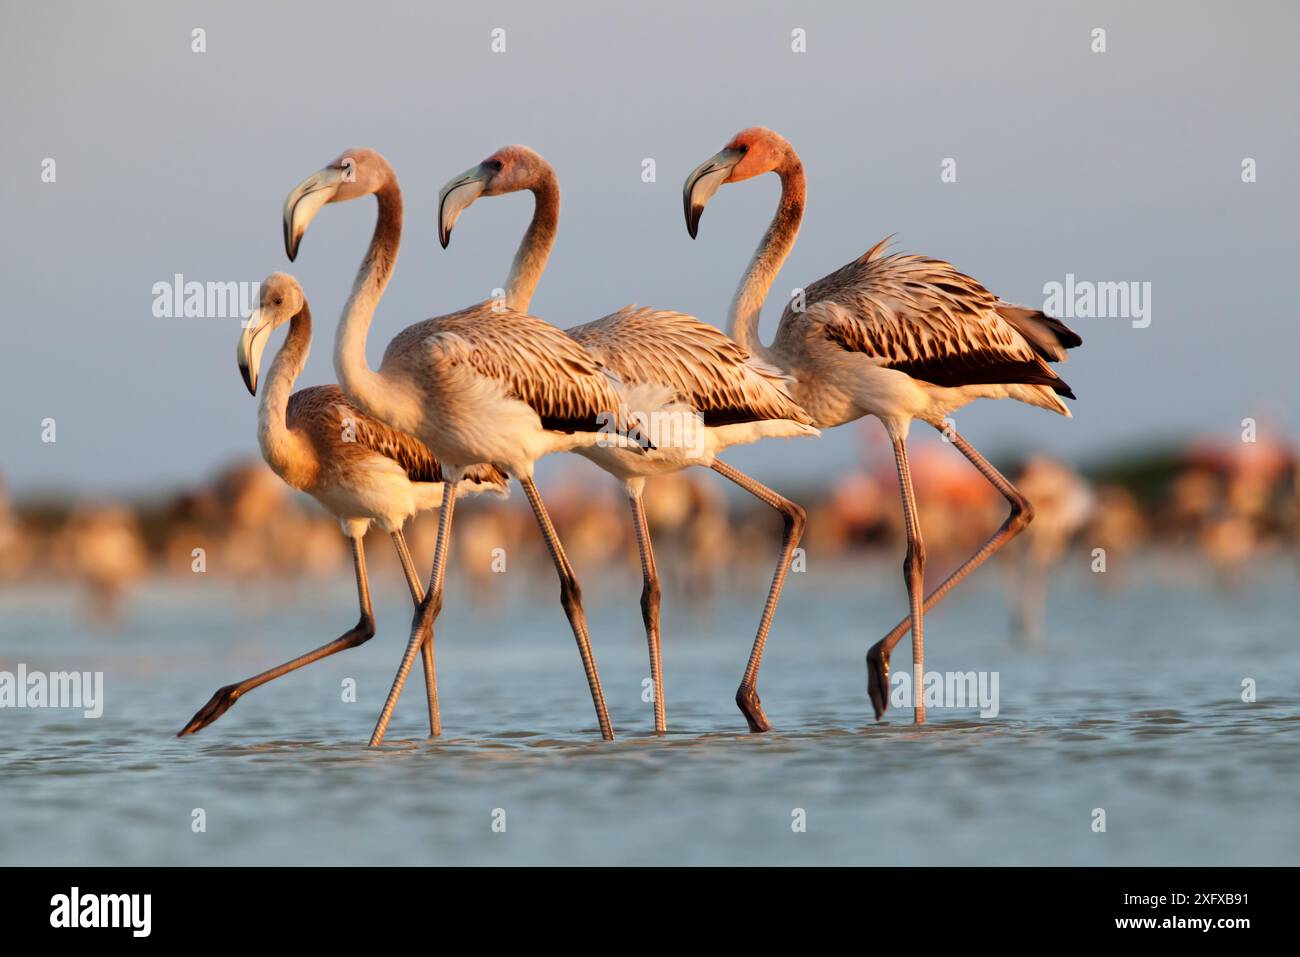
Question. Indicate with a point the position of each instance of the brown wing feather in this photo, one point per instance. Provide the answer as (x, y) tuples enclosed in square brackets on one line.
[(535, 363), (1049, 336), (325, 413), (922, 317), (704, 367)]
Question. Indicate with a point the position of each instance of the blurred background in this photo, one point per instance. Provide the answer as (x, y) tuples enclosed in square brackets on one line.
[(1222, 510), (148, 540)]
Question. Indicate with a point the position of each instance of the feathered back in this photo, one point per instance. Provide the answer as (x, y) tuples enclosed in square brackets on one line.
[(338, 430), (923, 317), (532, 360), (707, 369)]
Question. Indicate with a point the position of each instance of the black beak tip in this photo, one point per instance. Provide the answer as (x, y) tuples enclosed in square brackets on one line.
[(444, 237), (290, 248), (693, 222)]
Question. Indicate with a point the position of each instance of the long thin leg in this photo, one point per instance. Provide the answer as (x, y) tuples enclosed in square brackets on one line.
[(1022, 513), (650, 593), (571, 599), (795, 520), (913, 574), (422, 625), (426, 648), (1031, 602), (364, 630)]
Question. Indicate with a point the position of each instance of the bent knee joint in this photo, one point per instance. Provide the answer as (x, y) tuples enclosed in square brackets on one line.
[(1022, 513), (650, 596), (570, 593), (357, 637), (428, 609), (796, 519), (914, 561), (435, 604)]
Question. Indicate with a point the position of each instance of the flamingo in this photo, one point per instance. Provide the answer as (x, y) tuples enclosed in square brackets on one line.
[(487, 384), (729, 397), (900, 337), (359, 469)]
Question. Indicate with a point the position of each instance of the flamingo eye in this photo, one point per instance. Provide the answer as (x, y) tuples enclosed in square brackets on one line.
[(279, 301), (496, 165)]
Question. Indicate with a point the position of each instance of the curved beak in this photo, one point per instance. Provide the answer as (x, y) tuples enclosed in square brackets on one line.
[(703, 183), (249, 353), (305, 202), (456, 196)]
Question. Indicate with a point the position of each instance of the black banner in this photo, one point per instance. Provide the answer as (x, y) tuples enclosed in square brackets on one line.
[(180, 905)]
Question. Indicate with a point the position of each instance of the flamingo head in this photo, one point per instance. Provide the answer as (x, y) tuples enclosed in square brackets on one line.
[(750, 153), (355, 173), (508, 170), (281, 299)]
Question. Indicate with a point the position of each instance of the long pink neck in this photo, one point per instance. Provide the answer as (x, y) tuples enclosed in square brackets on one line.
[(535, 247), (359, 381), (775, 246), (280, 447)]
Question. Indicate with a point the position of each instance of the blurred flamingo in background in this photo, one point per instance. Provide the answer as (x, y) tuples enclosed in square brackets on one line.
[(103, 544), (1063, 503)]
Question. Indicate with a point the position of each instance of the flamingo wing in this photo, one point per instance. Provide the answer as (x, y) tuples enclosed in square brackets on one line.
[(327, 414), (704, 367), (532, 361), (923, 317)]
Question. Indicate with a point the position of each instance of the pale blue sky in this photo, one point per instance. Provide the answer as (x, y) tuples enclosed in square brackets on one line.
[(1116, 166)]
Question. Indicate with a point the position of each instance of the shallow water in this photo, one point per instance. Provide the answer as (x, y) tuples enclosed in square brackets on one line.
[(1133, 706)]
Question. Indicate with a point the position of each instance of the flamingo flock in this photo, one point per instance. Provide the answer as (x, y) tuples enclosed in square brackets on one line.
[(463, 403)]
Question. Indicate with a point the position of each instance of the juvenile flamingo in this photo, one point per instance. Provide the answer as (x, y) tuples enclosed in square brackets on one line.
[(726, 397), (900, 337), (359, 469), (487, 384)]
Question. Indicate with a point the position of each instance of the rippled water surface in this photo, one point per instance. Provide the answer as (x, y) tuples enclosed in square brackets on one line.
[(1133, 706)]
